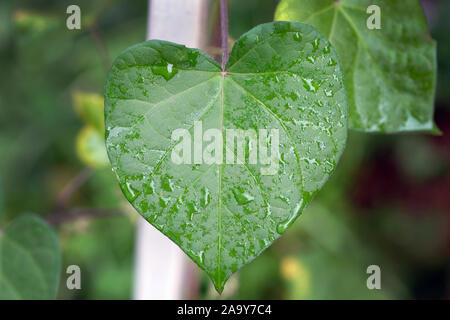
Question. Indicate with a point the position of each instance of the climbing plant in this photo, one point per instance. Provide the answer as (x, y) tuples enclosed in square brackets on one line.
[(223, 157), (169, 111)]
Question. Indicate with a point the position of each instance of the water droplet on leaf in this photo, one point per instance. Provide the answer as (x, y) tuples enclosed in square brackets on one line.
[(242, 197), (283, 226)]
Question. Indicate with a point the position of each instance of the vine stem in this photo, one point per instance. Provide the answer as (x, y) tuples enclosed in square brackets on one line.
[(68, 191), (61, 214), (67, 216), (224, 32), (101, 46)]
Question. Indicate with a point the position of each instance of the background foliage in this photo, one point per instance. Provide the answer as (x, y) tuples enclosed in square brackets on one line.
[(387, 204)]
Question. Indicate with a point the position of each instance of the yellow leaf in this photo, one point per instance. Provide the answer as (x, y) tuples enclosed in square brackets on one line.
[(89, 106), (90, 146)]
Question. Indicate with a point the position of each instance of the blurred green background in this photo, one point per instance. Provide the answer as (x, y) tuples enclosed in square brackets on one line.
[(387, 204)]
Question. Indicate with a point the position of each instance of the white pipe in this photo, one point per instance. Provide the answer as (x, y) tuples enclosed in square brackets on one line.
[(161, 268)]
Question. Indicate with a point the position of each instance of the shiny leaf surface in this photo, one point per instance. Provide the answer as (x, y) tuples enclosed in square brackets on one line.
[(281, 77), (389, 73)]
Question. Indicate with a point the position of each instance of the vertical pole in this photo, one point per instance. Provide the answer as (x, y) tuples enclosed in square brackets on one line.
[(224, 32), (162, 270)]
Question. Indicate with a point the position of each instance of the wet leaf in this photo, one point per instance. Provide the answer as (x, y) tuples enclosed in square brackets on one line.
[(30, 260), (390, 73), (281, 77)]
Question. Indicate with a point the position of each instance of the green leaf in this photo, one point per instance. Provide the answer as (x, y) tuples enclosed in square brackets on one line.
[(34, 22), (89, 107), (390, 73), (2, 198), (30, 260), (281, 76), (90, 143), (91, 149)]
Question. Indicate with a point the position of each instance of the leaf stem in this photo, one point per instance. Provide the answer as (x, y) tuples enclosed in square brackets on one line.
[(101, 46), (224, 31), (76, 183), (66, 216)]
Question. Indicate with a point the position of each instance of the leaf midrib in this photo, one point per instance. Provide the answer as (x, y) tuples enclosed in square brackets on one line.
[(219, 205), (340, 7), (360, 38), (361, 44), (273, 114), (167, 151), (32, 258)]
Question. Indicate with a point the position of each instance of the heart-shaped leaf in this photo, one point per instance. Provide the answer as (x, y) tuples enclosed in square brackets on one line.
[(30, 260), (283, 90), (389, 73)]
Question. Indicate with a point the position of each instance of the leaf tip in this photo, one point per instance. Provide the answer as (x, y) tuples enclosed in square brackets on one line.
[(219, 282), (435, 131), (219, 285)]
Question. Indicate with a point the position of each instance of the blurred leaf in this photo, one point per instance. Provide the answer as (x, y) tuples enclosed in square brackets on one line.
[(331, 260), (114, 282), (298, 276), (250, 284), (390, 74), (2, 198), (91, 147), (426, 164), (244, 15), (89, 107), (6, 25), (90, 141), (30, 260), (316, 274), (421, 238), (104, 250), (104, 185), (157, 87), (33, 22)]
